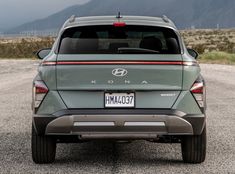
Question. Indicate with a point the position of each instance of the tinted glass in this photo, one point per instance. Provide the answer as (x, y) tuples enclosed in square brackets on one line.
[(115, 40)]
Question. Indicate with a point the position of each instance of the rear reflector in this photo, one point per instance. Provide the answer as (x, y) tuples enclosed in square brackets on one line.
[(119, 24)]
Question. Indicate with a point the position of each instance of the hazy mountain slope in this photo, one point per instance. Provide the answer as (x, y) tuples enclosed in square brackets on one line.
[(214, 12), (185, 13)]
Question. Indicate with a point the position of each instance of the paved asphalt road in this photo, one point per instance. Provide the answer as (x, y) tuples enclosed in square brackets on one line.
[(104, 157)]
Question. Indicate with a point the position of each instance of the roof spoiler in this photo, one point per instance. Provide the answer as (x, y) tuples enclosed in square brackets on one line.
[(72, 18), (165, 19)]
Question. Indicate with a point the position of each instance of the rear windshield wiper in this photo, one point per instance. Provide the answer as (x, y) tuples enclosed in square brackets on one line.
[(136, 50)]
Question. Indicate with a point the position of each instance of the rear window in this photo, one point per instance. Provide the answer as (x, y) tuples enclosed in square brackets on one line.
[(117, 40)]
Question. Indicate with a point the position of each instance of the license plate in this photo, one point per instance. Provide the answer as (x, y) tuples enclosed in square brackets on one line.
[(119, 100)]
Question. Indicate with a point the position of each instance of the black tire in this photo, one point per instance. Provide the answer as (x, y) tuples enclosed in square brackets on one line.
[(194, 148), (43, 148)]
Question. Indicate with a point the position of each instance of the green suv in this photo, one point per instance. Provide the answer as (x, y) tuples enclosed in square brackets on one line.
[(118, 78)]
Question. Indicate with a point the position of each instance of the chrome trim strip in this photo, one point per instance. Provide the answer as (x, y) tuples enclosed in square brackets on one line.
[(93, 124), (144, 124)]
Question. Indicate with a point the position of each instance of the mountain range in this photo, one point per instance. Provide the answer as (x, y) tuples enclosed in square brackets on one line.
[(185, 13)]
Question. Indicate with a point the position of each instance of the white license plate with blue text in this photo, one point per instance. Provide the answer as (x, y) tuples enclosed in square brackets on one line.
[(119, 100)]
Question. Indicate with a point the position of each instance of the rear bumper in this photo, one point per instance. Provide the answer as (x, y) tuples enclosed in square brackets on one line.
[(141, 124)]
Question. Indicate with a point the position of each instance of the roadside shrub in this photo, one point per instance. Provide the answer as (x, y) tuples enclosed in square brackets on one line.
[(217, 57), (24, 48), (200, 48)]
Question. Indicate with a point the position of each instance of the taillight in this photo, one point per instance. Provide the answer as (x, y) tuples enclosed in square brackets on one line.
[(198, 91), (39, 92)]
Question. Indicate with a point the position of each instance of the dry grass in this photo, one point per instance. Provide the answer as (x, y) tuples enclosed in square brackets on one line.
[(217, 57), (210, 40), (23, 47), (214, 46)]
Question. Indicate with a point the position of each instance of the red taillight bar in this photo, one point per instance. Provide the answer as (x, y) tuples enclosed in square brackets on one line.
[(120, 63), (47, 63)]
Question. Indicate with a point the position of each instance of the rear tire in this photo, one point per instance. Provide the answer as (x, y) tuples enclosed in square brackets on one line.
[(194, 148), (43, 148)]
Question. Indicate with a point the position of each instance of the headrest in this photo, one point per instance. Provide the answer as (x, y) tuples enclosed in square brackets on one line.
[(151, 43)]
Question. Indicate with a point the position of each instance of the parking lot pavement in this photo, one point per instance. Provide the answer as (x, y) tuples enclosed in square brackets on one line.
[(107, 157)]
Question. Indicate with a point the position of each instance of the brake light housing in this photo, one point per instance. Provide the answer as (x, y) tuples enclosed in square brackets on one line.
[(119, 24), (40, 90), (199, 92)]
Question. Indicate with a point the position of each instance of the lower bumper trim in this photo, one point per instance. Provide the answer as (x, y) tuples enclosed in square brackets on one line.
[(101, 125)]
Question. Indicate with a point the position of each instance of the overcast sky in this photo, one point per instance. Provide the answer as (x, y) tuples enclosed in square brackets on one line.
[(16, 12)]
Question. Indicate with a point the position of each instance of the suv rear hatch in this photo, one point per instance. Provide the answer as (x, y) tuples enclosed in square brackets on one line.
[(96, 60)]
